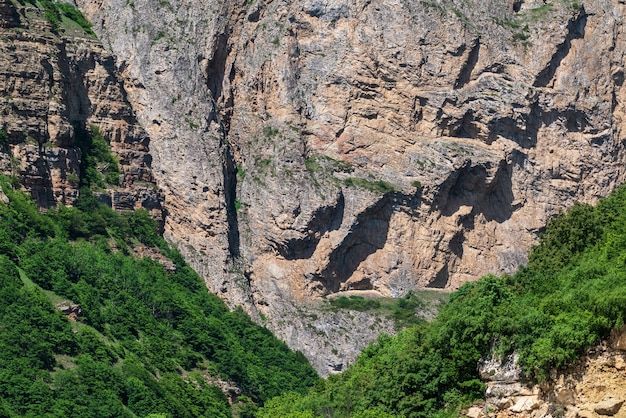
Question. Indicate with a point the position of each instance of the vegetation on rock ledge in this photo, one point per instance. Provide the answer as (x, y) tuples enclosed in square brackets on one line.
[(570, 295), (98, 166)]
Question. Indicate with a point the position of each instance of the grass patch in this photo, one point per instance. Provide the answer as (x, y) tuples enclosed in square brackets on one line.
[(28, 283), (241, 174), (31, 285), (404, 311), (63, 16), (99, 167), (270, 132), (378, 186), (321, 163), (353, 302)]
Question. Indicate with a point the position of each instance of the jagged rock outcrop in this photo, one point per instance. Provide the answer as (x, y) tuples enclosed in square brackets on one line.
[(53, 86), (595, 387), (318, 146)]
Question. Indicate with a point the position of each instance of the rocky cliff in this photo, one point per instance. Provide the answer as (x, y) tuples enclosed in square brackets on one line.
[(594, 387), (56, 84), (311, 147)]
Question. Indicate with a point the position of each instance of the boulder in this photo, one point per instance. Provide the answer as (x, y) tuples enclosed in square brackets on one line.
[(526, 404), (610, 406)]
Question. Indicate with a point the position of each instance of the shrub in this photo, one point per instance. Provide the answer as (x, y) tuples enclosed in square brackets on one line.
[(378, 186), (4, 140)]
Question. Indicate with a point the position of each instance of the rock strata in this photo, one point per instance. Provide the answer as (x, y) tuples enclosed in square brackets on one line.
[(593, 388), (306, 148), (53, 86)]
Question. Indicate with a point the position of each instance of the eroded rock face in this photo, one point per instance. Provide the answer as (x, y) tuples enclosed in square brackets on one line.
[(312, 147), (594, 387), (52, 87)]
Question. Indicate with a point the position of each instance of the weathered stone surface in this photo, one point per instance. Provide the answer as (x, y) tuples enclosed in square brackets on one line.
[(474, 412), (565, 396), (610, 406), (526, 404), (51, 87), (262, 114), (503, 370), (8, 15), (618, 339), (593, 387)]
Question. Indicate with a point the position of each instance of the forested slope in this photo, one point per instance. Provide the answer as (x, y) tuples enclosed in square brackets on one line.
[(569, 296), (148, 339)]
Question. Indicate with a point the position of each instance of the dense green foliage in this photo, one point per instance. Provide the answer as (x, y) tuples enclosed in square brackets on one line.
[(148, 340), (55, 12), (98, 166), (570, 295)]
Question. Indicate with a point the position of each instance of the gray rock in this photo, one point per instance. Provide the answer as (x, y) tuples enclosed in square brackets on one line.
[(610, 406), (271, 123)]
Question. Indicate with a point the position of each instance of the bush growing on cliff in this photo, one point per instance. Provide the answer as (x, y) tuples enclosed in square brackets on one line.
[(56, 11), (570, 295), (378, 186), (98, 166), (402, 310)]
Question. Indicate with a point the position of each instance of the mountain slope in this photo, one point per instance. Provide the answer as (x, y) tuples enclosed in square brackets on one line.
[(569, 296), (58, 86), (311, 147), (141, 335)]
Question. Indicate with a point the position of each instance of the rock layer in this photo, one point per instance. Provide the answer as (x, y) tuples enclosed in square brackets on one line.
[(53, 86), (317, 146), (595, 387)]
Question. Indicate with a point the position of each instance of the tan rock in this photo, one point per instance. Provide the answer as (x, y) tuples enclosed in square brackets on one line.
[(610, 406), (474, 412), (526, 404), (541, 411), (565, 396), (590, 388), (619, 339), (571, 412), (483, 138)]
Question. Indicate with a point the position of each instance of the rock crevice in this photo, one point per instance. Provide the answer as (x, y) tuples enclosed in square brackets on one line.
[(500, 113)]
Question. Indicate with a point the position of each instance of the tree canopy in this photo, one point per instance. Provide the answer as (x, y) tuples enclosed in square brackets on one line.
[(148, 340), (568, 297)]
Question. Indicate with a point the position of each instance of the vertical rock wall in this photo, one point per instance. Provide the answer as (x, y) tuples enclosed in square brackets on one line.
[(317, 146), (53, 85)]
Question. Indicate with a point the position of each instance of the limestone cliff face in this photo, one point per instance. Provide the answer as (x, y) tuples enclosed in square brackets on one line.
[(317, 146), (52, 86)]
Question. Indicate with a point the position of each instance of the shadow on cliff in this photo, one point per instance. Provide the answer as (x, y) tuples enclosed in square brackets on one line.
[(575, 30), (367, 235), (229, 171), (324, 219), (475, 186)]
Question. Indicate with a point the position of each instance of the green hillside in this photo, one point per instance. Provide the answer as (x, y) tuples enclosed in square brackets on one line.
[(570, 295), (148, 339)]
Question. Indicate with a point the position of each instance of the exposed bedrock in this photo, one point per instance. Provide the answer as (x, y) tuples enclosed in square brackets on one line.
[(53, 88), (317, 146)]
